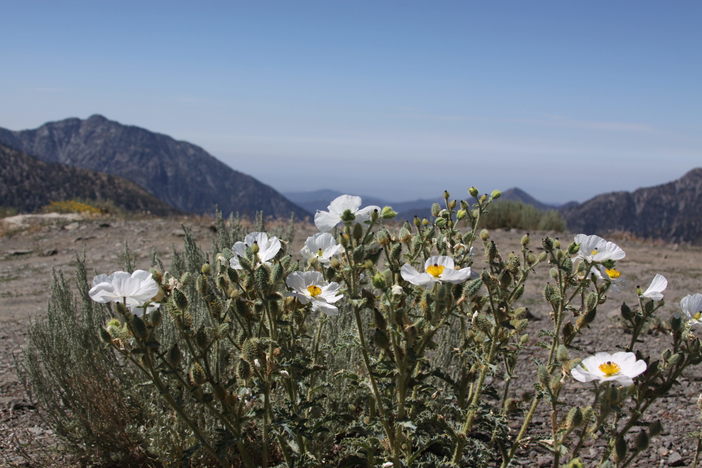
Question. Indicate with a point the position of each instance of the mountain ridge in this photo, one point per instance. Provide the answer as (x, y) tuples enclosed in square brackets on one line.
[(27, 184), (179, 173)]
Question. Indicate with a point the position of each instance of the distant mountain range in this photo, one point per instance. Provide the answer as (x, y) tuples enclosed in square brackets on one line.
[(91, 159), (28, 184), (671, 211), (179, 173)]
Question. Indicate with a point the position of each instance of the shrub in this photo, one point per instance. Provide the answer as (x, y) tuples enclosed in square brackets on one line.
[(507, 214), (250, 356)]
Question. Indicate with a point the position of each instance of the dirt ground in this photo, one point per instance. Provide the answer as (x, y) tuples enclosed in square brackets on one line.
[(31, 248)]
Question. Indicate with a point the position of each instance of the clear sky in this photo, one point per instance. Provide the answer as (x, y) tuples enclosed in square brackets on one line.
[(398, 99)]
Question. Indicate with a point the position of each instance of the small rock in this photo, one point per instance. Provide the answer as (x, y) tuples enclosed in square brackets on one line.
[(17, 253), (71, 226), (675, 459), (178, 233), (49, 253), (83, 238)]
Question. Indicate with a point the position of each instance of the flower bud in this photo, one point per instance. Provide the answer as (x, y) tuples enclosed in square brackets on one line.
[(525, 240), (425, 222), (379, 281), (473, 191), (397, 290), (201, 285), (243, 370), (347, 216), (562, 353), (205, 269), (574, 418), (495, 194), (388, 213), (417, 222), (435, 209), (105, 336), (139, 328), (484, 234), (201, 338), (375, 214), (543, 376), (441, 222), (174, 355), (620, 448), (155, 317), (461, 214), (197, 374), (276, 273)]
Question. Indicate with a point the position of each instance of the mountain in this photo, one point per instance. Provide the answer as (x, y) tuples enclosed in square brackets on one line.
[(181, 174), (518, 195), (671, 211), (28, 184)]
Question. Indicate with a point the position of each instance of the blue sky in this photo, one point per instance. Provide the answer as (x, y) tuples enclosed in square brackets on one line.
[(394, 99)]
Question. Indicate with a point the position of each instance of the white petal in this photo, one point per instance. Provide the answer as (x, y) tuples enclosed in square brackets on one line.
[(655, 290), (269, 250), (455, 276), (328, 309), (234, 263), (295, 281), (343, 203), (326, 221), (439, 260), (103, 293), (239, 249), (411, 275), (364, 214)]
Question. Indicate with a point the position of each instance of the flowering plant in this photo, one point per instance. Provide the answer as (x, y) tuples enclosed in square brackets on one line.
[(393, 344)]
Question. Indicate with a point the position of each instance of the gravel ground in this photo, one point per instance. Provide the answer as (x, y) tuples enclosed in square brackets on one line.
[(30, 251)]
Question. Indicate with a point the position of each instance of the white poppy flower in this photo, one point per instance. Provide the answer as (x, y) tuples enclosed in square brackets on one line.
[(596, 249), (327, 220), (437, 268), (310, 287), (620, 367), (267, 248), (321, 246), (691, 306), (134, 290), (655, 290)]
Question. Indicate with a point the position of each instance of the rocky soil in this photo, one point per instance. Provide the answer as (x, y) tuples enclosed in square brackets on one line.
[(30, 250)]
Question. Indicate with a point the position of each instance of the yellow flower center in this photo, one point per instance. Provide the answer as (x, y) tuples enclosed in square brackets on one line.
[(594, 252), (314, 290), (320, 252), (435, 270), (613, 273), (610, 368), (697, 315)]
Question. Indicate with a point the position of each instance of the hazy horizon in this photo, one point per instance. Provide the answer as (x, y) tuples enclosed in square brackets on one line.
[(394, 100)]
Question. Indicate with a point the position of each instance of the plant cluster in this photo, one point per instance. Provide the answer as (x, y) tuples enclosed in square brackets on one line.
[(377, 345)]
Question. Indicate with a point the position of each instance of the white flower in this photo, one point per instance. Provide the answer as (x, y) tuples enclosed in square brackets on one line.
[(619, 367), (134, 290), (321, 246), (310, 287), (327, 220), (267, 248), (436, 269), (655, 290), (691, 306), (596, 249)]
